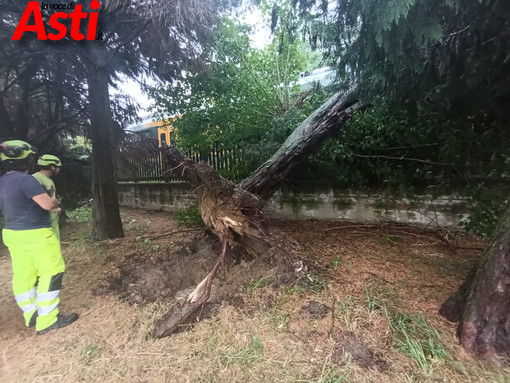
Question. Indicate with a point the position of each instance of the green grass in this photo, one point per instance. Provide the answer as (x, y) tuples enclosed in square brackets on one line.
[(90, 352), (334, 375), (419, 340), (314, 283), (411, 332), (387, 239), (81, 215), (189, 216), (254, 285), (279, 320), (246, 356), (347, 308), (336, 263)]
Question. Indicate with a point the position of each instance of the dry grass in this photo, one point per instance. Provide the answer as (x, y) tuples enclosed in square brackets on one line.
[(275, 336)]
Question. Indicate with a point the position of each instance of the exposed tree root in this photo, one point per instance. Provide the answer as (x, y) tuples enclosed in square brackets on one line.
[(171, 321), (193, 298)]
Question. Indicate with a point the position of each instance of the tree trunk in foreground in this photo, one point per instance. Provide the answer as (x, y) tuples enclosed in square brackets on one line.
[(234, 212), (482, 303), (106, 214)]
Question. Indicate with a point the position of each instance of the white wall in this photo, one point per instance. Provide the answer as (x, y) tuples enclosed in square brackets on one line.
[(321, 203)]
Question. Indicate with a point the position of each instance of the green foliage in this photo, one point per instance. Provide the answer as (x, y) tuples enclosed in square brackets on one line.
[(488, 205), (387, 239), (336, 263), (279, 320), (148, 243), (189, 216), (408, 50), (82, 214), (406, 153), (390, 147), (438, 76), (435, 71), (73, 182), (245, 98), (314, 283), (414, 336), (90, 352), (330, 374)]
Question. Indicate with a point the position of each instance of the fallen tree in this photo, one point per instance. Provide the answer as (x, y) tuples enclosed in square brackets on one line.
[(233, 212)]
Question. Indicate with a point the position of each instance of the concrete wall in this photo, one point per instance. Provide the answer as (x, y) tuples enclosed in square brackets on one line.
[(318, 203), (156, 195)]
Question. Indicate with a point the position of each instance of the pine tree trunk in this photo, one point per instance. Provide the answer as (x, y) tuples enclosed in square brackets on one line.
[(307, 137), (482, 304), (106, 214)]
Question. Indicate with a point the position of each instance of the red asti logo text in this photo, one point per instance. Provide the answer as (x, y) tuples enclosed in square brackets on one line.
[(34, 8)]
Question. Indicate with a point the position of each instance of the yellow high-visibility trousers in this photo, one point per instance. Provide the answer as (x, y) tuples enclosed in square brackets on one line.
[(38, 267)]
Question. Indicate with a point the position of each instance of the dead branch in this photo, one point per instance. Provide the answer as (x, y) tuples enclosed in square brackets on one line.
[(348, 227), (170, 233)]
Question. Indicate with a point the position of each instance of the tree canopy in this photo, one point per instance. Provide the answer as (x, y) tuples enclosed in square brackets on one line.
[(245, 98)]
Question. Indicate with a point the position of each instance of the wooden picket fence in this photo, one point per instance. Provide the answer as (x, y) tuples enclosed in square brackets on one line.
[(228, 162)]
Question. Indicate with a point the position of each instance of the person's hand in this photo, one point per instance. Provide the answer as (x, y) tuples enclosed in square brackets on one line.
[(57, 210)]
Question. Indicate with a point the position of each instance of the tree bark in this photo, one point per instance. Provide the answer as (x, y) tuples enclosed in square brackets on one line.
[(106, 214), (482, 304), (312, 132), (5, 120)]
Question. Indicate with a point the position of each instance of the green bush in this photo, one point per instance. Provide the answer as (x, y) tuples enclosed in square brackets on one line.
[(81, 215), (189, 216), (488, 206)]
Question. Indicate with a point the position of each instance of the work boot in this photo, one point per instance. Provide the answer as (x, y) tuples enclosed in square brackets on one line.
[(33, 319), (62, 321)]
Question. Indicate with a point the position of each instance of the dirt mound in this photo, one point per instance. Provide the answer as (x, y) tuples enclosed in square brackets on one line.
[(174, 273), (143, 279)]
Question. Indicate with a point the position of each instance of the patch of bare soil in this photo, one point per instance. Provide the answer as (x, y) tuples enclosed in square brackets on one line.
[(162, 275), (328, 325), (364, 356)]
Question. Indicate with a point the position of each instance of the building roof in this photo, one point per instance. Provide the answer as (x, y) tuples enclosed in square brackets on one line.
[(324, 76)]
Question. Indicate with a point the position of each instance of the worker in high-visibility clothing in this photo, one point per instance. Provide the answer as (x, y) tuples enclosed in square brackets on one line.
[(50, 166), (37, 262)]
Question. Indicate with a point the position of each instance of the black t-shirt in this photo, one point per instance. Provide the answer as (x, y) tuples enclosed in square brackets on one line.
[(18, 208)]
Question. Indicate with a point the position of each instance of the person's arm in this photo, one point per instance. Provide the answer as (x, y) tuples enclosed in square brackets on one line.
[(45, 201)]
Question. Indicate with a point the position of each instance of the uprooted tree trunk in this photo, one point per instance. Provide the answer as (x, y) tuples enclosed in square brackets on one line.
[(482, 303), (234, 212)]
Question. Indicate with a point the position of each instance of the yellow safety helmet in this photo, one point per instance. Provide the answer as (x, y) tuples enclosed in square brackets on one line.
[(49, 159), (16, 150)]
